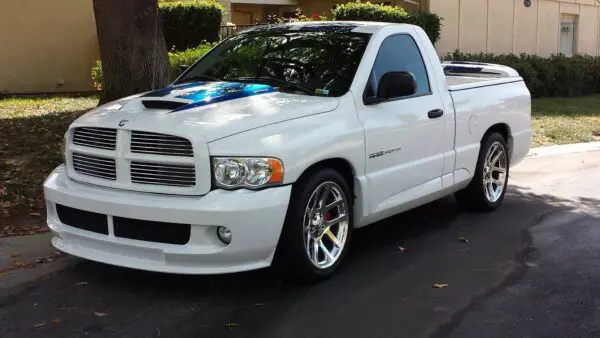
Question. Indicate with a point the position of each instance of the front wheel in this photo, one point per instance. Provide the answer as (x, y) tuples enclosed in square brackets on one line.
[(318, 228), (488, 186)]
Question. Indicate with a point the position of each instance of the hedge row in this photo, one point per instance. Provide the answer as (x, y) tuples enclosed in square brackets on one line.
[(366, 11), (187, 24), (186, 57), (555, 76)]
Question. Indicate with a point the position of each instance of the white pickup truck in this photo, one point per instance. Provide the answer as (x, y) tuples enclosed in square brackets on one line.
[(274, 146)]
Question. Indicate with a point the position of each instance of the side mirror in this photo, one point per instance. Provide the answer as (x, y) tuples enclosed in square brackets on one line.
[(396, 84), (183, 68), (392, 85)]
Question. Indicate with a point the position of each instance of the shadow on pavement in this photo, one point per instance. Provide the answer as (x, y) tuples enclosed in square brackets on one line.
[(382, 292)]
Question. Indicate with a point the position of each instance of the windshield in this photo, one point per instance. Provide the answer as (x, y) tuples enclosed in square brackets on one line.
[(310, 62)]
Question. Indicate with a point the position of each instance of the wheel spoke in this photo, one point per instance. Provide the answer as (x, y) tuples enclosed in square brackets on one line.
[(496, 158), (495, 165), (491, 153), (340, 218), (333, 204), (499, 170), (322, 197), (326, 251), (333, 238), (327, 200), (490, 191), (315, 251)]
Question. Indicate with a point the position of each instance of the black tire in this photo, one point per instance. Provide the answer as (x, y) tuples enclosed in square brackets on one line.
[(291, 262), (473, 197)]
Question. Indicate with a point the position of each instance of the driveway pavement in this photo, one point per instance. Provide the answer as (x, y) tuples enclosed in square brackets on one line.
[(530, 268)]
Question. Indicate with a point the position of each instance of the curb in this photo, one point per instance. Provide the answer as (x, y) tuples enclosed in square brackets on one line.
[(564, 149)]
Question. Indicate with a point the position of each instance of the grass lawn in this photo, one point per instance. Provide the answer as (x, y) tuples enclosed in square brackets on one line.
[(32, 132), (565, 120)]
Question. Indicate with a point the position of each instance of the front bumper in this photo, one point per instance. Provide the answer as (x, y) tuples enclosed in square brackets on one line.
[(255, 219)]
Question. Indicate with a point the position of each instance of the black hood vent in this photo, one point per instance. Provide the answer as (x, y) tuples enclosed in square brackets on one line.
[(163, 104)]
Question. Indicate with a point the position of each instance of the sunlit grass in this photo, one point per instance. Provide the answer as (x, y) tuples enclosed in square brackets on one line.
[(565, 120)]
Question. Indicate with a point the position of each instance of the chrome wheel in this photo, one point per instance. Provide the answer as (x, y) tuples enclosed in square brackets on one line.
[(325, 225), (494, 172)]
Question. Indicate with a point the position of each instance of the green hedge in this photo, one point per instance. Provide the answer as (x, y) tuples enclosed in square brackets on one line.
[(555, 76), (189, 23), (186, 57), (366, 11)]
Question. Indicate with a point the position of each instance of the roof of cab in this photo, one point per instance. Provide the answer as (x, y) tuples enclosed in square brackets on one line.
[(347, 26)]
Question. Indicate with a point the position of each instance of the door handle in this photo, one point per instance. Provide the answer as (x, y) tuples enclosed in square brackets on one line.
[(434, 114)]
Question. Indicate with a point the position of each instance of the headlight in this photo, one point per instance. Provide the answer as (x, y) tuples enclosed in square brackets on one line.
[(251, 172)]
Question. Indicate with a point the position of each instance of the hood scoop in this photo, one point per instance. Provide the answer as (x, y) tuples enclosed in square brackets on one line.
[(163, 104)]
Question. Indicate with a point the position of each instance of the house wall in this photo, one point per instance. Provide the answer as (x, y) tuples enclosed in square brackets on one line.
[(243, 14), (507, 26), (47, 46), (50, 46)]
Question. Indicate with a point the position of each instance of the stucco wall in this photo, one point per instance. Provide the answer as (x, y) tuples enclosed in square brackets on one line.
[(47, 46), (507, 26)]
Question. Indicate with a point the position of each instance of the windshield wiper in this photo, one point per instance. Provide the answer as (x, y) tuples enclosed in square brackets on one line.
[(199, 77), (283, 84)]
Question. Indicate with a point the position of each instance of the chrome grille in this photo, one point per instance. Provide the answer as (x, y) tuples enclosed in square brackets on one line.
[(161, 144), (94, 166), (163, 174), (103, 138)]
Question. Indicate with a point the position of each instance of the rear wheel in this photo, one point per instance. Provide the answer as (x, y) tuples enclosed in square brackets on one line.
[(488, 186), (318, 228)]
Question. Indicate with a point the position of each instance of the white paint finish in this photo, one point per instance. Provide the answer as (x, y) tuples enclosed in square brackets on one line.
[(512, 100), (436, 157), (252, 246), (303, 142), (212, 121)]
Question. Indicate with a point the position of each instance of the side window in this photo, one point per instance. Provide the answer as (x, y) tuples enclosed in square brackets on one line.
[(400, 53)]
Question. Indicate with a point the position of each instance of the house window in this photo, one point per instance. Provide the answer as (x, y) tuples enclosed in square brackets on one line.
[(568, 34)]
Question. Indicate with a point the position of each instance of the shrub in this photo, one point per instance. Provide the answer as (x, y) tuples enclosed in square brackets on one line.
[(554, 76), (431, 24), (187, 57), (366, 11), (189, 23), (176, 59)]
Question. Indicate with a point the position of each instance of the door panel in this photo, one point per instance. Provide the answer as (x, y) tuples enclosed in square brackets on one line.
[(404, 136), (404, 146)]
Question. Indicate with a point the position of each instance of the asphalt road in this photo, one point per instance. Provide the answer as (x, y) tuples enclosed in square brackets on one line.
[(529, 269)]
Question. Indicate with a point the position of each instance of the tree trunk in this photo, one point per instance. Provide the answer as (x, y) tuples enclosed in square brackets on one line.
[(132, 47)]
